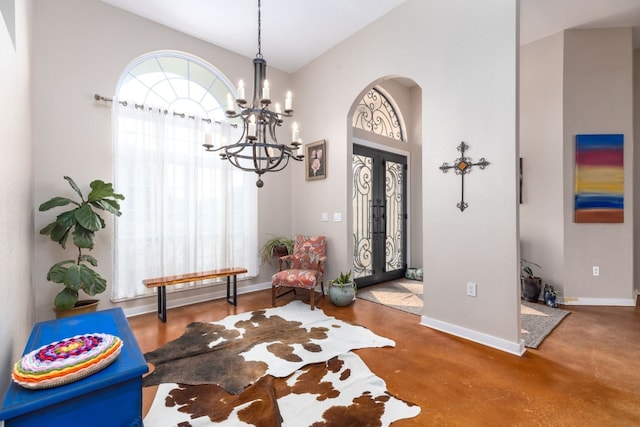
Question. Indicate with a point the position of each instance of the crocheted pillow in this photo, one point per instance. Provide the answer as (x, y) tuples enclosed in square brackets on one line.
[(66, 361)]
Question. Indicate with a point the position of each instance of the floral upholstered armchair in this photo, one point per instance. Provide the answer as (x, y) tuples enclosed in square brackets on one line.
[(302, 269)]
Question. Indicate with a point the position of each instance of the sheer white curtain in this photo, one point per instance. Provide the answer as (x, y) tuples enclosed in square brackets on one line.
[(185, 209)]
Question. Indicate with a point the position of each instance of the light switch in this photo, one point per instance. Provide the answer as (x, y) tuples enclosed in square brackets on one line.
[(325, 216), (337, 217)]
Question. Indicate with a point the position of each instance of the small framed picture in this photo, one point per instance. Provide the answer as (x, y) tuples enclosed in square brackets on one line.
[(316, 160)]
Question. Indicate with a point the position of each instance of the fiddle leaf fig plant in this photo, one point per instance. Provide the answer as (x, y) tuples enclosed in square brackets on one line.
[(81, 222)]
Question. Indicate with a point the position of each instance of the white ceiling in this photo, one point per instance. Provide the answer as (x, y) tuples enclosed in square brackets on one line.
[(541, 18), (294, 32)]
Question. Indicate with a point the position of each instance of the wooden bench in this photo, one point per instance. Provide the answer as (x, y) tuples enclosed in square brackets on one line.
[(163, 282)]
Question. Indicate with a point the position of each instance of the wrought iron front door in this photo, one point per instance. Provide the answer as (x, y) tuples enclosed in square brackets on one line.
[(379, 215)]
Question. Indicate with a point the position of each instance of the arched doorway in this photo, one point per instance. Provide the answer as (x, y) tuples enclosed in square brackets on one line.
[(382, 158)]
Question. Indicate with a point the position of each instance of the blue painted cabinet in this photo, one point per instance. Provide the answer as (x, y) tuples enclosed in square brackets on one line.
[(111, 397)]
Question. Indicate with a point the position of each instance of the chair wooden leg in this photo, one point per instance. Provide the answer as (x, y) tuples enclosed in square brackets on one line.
[(312, 298), (273, 296)]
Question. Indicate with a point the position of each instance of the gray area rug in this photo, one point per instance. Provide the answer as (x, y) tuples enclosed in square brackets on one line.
[(537, 320)]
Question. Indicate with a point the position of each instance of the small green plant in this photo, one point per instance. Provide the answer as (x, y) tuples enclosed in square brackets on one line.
[(342, 279), (525, 268), (81, 222)]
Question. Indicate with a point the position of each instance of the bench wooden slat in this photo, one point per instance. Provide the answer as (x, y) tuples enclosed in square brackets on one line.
[(192, 277), (162, 282)]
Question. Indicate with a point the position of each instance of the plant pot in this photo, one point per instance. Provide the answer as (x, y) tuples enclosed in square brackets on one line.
[(279, 250), (81, 307), (531, 287), (342, 296)]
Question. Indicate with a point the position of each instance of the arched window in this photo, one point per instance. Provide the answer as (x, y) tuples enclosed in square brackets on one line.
[(186, 210), (375, 113)]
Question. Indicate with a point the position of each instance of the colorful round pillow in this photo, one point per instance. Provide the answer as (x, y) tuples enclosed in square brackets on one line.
[(66, 361)]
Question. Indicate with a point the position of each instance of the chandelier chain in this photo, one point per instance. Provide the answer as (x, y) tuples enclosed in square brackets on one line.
[(259, 54)]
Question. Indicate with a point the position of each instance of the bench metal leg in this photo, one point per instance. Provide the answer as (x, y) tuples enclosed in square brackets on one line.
[(233, 300), (162, 304)]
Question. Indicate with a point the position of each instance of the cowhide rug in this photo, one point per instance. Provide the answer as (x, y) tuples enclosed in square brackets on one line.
[(240, 349), (337, 393)]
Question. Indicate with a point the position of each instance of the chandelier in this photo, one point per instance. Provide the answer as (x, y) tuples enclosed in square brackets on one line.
[(257, 150)]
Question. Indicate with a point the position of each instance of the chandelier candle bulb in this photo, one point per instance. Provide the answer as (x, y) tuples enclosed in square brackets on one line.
[(251, 132), (295, 133), (271, 152), (288, 102), (265, 91), (230, 107), (207, 140), (300, 149), (241, 97)]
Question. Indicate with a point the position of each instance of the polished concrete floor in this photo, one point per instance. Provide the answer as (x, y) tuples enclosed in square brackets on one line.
[(584, 374)]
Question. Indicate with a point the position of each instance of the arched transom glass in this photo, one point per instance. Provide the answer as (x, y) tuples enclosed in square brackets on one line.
[(177, 82), (375, 113)]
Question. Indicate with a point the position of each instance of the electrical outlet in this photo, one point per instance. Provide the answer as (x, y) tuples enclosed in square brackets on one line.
[(596, 270), (471, 289)]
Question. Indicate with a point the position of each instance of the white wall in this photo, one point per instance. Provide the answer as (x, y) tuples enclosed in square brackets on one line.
[(16, 221), (463, 55), (81, 47)]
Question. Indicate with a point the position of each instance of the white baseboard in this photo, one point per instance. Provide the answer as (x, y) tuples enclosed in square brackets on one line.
[(498, 343), (174, 300), (620, 302)]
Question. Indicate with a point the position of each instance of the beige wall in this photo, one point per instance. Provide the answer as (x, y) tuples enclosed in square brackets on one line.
[(461, 54), (16, 223), (598, 98), (541, 149), (463, 59), (576, 82), (415, 178), (81, 47), (636, 166), (468, 92)]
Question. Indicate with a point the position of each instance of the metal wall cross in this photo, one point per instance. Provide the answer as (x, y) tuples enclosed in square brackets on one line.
[(462, 166)]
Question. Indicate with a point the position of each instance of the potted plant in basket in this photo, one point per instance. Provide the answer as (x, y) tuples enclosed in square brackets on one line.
[(275, 247), (530, 284), (81, 222), (342, 290)]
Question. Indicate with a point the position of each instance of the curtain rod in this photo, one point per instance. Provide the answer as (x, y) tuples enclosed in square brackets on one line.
[(141, 107)]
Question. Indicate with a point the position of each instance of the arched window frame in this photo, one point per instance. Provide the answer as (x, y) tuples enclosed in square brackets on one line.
[(188, 210)]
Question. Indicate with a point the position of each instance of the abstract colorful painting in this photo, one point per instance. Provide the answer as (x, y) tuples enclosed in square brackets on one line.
[(599, 178)]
